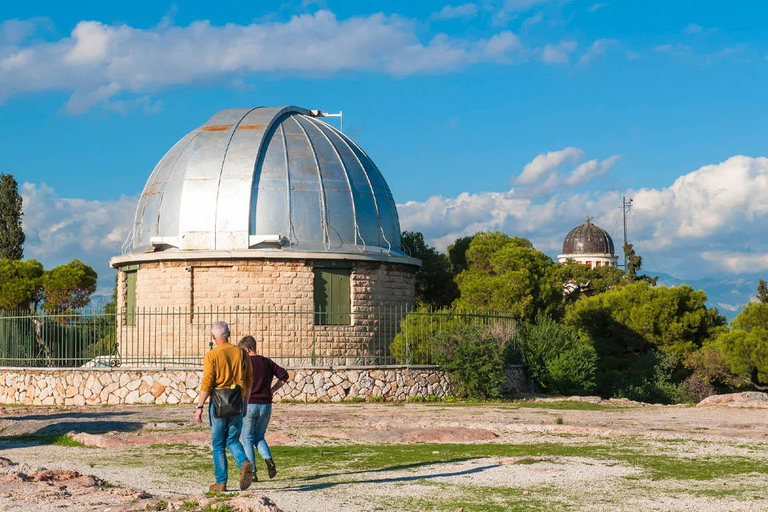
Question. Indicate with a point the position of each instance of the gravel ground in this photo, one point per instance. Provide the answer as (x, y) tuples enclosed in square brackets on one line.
[(546, 483)]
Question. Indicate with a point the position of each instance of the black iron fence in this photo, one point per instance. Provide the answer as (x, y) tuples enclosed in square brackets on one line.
[(175, 337)]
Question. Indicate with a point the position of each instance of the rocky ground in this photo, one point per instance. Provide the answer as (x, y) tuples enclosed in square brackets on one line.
[(584, 454)]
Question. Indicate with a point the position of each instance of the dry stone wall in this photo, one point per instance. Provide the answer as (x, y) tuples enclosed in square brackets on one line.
[(125, 386)]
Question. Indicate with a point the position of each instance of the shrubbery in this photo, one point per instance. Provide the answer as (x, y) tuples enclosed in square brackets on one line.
[(557, 360), (474, 357)]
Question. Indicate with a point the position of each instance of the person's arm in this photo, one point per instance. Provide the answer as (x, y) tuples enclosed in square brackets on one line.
[(205, 387), (282, 376), (247, 381)]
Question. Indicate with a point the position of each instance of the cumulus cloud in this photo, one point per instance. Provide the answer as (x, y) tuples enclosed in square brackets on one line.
[(558, 53), (543, 174), (450, 12), (546, 164), (99, 63), (59, 229), (707, 222), (598, 49)]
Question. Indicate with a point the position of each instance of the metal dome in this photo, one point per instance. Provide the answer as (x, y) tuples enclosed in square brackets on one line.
[(588, 239), (266, 178)]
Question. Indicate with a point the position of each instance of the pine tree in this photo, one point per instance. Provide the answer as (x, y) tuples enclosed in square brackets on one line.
[(762, 291), (11, 234)]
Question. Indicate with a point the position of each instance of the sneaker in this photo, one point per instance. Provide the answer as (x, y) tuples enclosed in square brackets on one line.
[(271, 469), (218, 487), (246, 475)]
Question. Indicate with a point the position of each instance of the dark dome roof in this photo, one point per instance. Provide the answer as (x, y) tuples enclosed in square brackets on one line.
[(588, 239)]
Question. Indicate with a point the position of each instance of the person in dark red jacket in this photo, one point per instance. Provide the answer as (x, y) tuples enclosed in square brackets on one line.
[(260, 404)]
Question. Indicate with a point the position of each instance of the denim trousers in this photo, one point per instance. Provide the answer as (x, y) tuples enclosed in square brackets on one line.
[(225, 434), (254, 426)]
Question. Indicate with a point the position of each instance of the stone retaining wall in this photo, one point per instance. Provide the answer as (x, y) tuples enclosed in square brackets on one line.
[(43, 386)]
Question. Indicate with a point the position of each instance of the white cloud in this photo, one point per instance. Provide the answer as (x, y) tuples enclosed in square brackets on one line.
[(545, 164), (450, 12), (596, 7), (558, 53), (102, 64), (588, 171), (597, 49), (59, 229), (707, 222)]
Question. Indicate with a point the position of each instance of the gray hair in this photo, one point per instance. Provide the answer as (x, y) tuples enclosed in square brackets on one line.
[(220, 330)]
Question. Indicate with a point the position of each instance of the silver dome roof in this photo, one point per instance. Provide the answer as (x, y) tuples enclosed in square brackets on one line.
[(266, 178)]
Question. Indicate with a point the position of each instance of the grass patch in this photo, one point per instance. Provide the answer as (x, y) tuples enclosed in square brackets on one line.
[(567, 405), (54, 440)]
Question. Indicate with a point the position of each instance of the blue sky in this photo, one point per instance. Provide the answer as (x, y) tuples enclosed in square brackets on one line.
[(519, 115)]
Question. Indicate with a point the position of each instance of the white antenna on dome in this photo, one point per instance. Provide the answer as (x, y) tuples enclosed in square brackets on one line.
[(340, 115)]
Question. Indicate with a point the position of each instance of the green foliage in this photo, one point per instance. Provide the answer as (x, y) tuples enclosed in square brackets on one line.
[(435, 286), (68, 286), (507, 274), (628, 325), (654, 377), (753, 316), (762, 291), (19, 283), (457, 254), (745, 355), (598, 279), (557, 360), (11, 234), (474, 357)]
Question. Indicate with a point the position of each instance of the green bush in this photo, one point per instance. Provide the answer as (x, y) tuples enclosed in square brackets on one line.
[(557, 360), (418, 330), (474, 357), (653, 378)]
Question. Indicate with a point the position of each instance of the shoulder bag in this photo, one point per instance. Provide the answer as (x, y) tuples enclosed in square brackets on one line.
[(228, 402)]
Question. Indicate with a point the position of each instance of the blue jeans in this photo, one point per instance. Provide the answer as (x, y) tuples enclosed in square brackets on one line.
[(225, 433), (254, 426)]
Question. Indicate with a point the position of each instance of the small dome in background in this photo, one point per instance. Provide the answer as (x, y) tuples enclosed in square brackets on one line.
[(588, 239), (266, 178), (589, 244)]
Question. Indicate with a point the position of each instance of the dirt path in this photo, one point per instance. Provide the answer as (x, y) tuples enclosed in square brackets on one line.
[(424, 456)]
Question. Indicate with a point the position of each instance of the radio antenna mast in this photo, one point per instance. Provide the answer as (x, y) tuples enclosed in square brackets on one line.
[(626, 205)]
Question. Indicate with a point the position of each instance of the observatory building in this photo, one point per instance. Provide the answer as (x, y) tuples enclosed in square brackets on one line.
[(589, 245), (276, 222)]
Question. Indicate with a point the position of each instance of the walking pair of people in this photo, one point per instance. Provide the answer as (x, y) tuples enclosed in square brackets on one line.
[(230, 367)]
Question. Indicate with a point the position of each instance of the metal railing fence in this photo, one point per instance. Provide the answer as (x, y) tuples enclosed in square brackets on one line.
[(177, 337)]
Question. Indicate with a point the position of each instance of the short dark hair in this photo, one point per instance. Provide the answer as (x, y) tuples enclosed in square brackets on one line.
[(248, 342)]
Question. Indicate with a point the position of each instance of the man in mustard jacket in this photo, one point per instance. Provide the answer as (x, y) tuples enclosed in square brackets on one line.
[(224, 367)]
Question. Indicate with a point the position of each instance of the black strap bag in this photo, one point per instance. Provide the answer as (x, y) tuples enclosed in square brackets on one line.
[(228, 402)]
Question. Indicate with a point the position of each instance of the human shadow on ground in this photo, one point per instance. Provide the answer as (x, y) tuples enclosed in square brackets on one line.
[(412, 465), (70, 414), (400, 479), (69, 427)]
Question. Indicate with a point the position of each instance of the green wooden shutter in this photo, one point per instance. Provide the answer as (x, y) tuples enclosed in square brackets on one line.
[(130, 298), (331, 293)]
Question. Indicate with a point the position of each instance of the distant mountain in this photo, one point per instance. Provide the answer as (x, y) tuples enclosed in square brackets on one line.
[(727, 294)]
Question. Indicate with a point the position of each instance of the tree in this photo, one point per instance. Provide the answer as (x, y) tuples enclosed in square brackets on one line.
[(507, 274), (634, 328), (457, 254), (11, 233), (586, 281), (434, 283), (634, 265), (20, 284), (752, 316), (762, 291), (68, 286)]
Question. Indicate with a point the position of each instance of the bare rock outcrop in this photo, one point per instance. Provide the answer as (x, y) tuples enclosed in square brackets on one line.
[(747, 399)]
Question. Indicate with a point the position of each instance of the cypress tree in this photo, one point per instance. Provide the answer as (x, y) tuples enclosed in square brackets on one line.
[(11, 234)]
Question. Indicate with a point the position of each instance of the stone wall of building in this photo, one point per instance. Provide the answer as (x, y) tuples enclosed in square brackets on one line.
[(273, 300), (125, 386)]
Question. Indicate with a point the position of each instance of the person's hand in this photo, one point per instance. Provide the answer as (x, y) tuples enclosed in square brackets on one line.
[(199, 416)]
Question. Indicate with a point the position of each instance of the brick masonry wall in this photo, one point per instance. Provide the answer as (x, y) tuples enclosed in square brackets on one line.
[(277, 288), (126, 386)]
